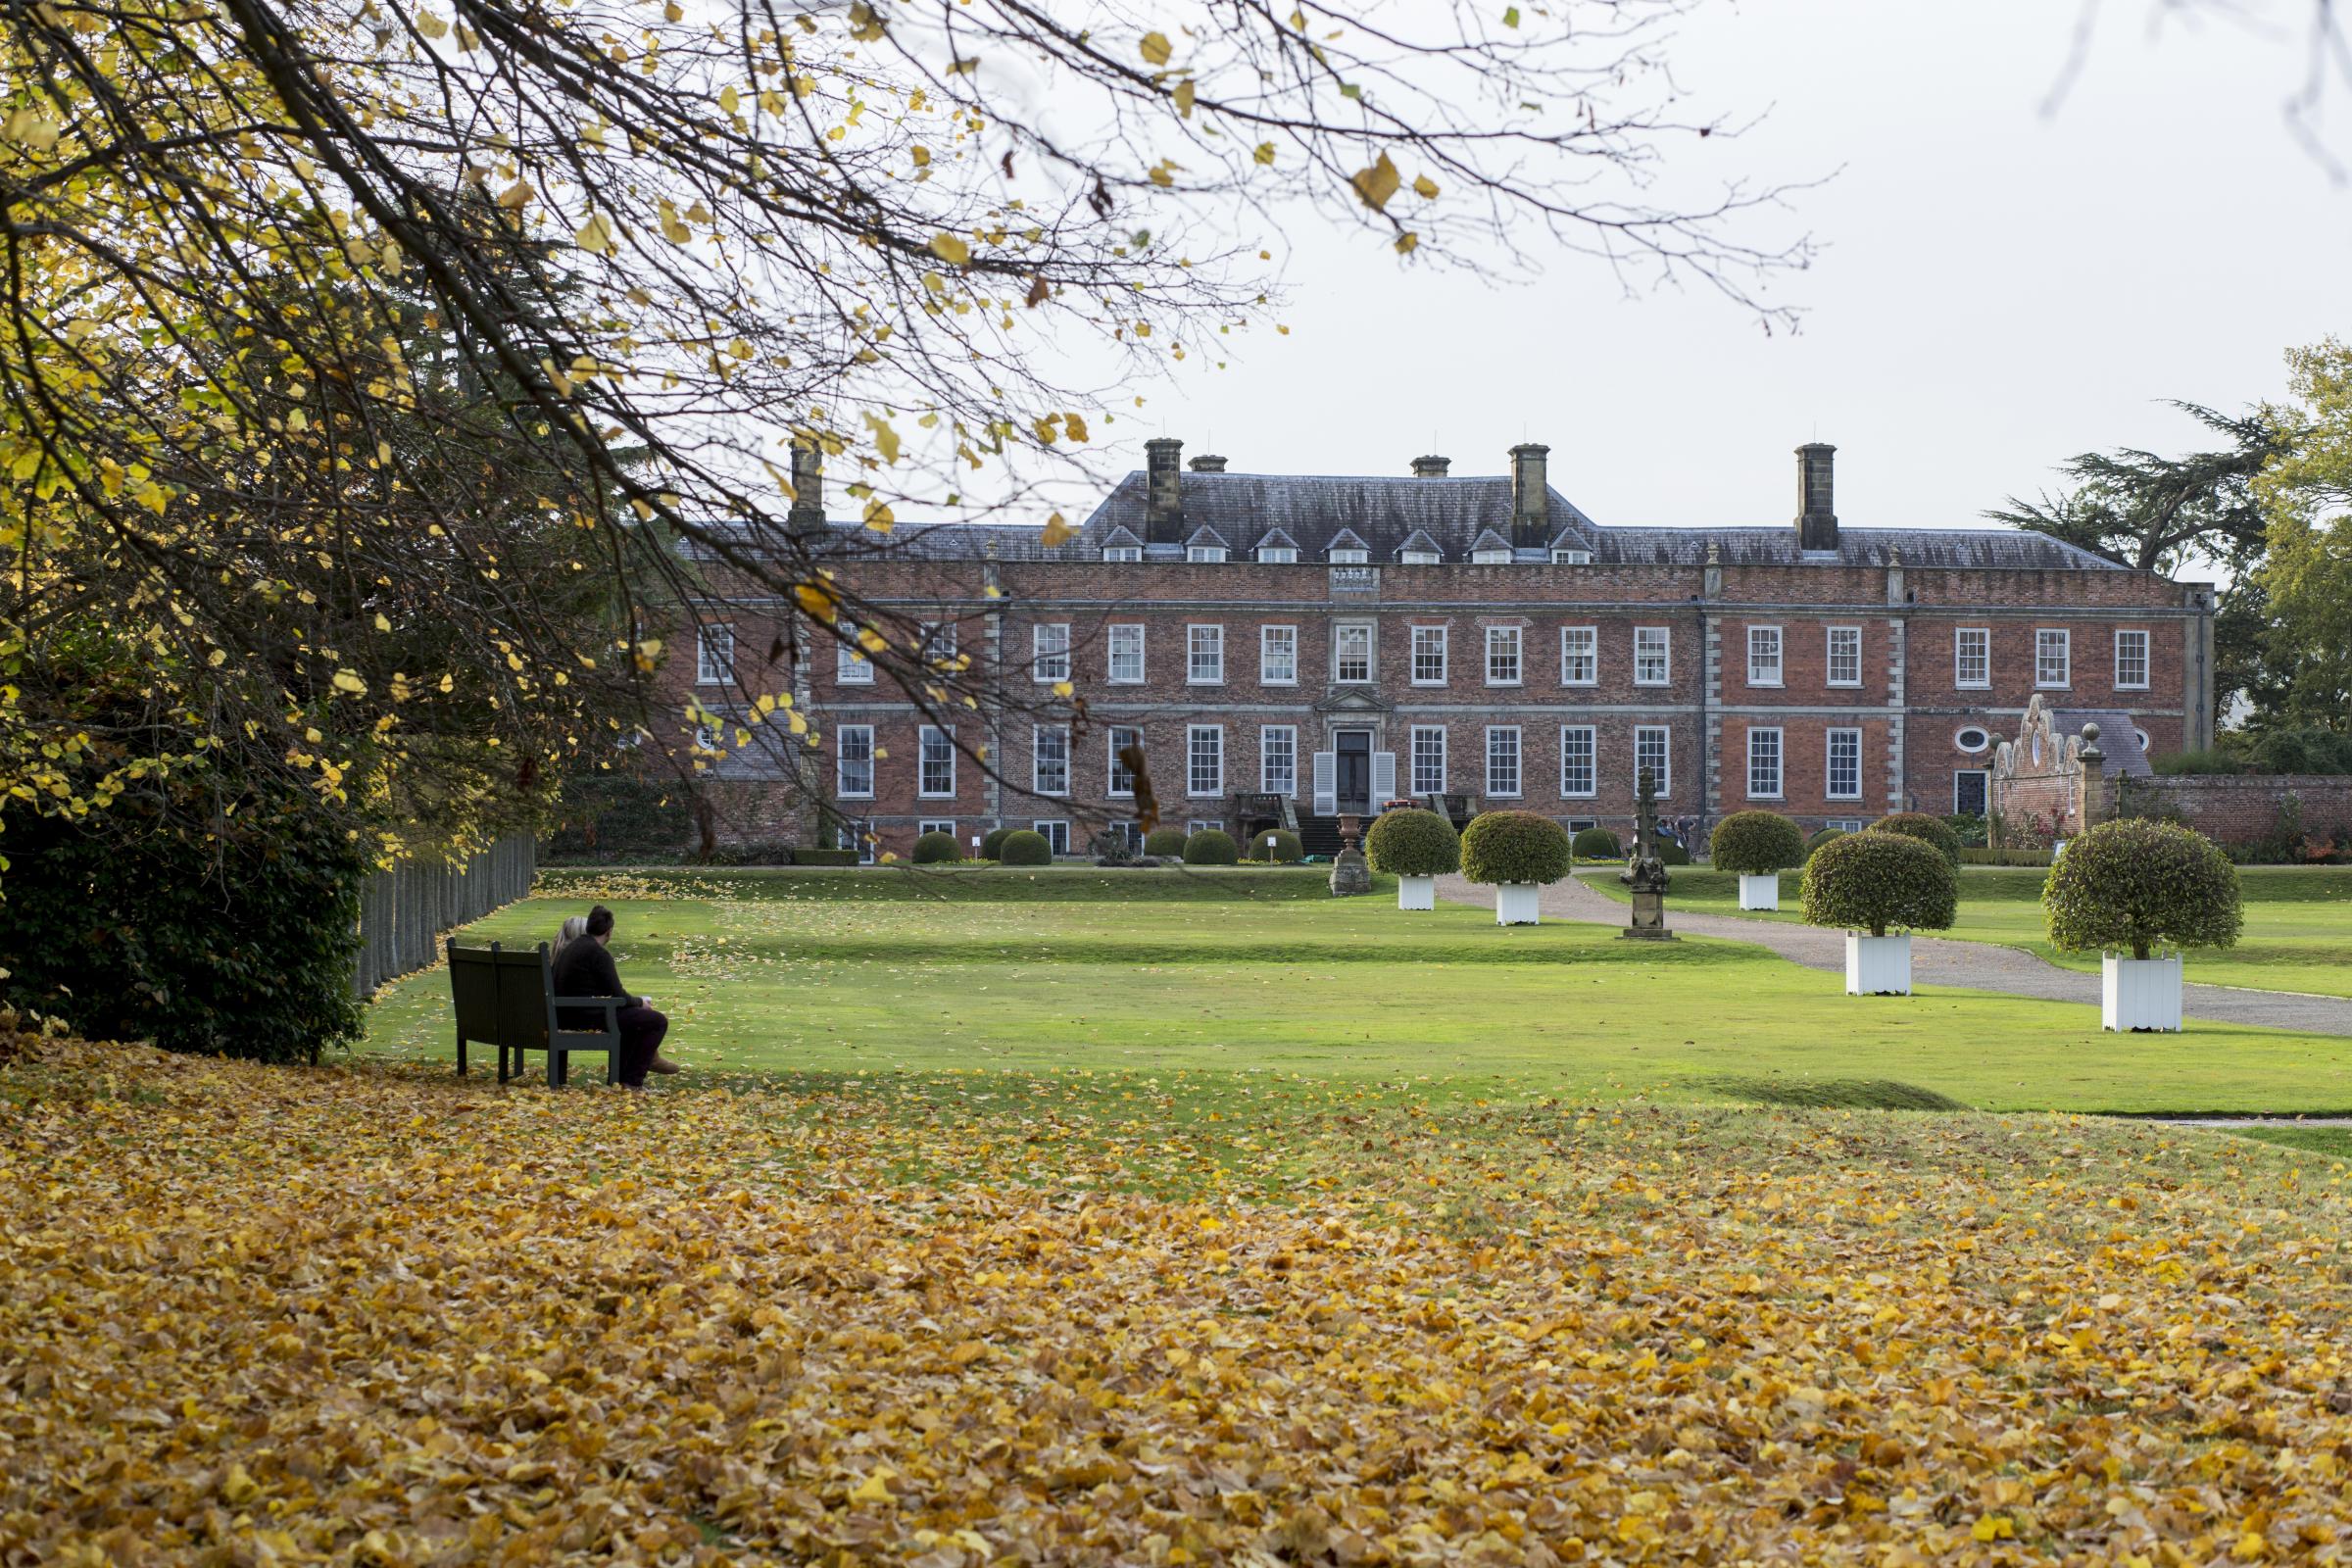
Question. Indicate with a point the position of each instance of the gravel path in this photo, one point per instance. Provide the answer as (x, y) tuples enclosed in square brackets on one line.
[(1937, 960)]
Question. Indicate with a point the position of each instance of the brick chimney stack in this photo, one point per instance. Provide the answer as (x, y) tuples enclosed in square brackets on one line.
[(1207, 463), (807, 513), (1816, 500), (1531, 495), (1432, 467), (1164, 490)]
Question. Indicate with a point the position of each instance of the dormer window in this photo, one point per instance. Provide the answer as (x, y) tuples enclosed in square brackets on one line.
[(1489, 558), (1409, 557), (1349, 556), (1123, 553), (1278, 555), (1204, 552), (1572, 558)]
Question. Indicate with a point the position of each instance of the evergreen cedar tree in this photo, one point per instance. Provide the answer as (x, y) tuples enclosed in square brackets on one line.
[(2136, 885), (1413, 842), (1933, 830), (1515, 847), (1757, 844), (1025, 846), (1212, 847), (1167, 843), (1873, 880), (1277, 846), (1598, 844), (937, 849)]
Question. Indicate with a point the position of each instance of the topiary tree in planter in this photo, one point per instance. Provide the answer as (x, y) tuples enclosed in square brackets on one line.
[(1416, 847), (1165, 843), (1926, 829), (1869, 881), (2132, 887), (1597, 844), (1518, 851), (1024, 846), (937, 849), (1758, 846), (1277, 846), (1211, 847), (992, 845)]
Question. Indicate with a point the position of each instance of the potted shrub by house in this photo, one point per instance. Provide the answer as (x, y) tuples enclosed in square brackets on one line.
[(1415, 847), (1758, 846), (1518, 853), (1868, 882), (1926, 829), (2131, 888)]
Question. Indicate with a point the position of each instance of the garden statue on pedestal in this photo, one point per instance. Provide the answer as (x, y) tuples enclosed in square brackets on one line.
[(1646, 873), (1350, 875)]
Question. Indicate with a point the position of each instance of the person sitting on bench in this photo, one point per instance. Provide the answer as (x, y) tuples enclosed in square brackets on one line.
[(584, 968)]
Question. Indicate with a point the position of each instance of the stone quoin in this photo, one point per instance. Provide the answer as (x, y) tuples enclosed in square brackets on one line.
[(1287, 650)]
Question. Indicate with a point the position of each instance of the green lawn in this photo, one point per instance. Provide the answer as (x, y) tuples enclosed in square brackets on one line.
[(2298, 934), (1153, 974)]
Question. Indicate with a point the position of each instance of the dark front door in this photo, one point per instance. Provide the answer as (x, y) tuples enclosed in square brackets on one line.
[(1967, 792), (1355, 772)]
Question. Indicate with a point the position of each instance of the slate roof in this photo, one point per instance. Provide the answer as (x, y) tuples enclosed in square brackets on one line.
[(1383, 513), (2118, 738)]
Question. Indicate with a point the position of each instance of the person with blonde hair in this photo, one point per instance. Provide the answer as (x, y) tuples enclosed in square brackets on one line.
[(576, 926)]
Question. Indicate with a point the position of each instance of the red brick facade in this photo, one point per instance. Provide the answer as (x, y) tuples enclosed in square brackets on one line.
[(1849, 685)]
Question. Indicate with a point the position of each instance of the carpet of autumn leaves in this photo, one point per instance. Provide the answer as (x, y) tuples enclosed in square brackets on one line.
[(375, 1314)]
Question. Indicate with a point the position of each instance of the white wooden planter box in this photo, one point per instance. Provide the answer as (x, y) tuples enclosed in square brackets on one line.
[(1759, 892), (1878, 966), (2139, 993), (1416, 893), (1518, 903)]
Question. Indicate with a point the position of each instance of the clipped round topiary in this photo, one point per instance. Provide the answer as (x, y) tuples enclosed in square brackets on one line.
[(2139, 885), (1874, 880), (1827, 835), (1671, 852), (936, 848), (1755, 844), (1928, 829), (1277, 846), (1022, 847), (1597, 844), (1165, 842), (1413, 842), (1211, 847), (1515, 847), (992, 845)]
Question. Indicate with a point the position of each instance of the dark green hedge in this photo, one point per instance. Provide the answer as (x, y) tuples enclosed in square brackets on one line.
[(232, 934), (2136, 885), (1671, 852), (1212, 847), (1874, 880), (1598, 844), (992, 845), (1166, 843), (1929, 830), (1412, 842), (1025, 846), (1515, 847), (1277, 846), (937, 849), (1755, 844)]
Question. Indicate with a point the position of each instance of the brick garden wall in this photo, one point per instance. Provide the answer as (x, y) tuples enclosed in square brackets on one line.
[(2236, 810)]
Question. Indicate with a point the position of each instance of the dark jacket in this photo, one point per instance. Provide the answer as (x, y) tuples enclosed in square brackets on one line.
[(585, 969)]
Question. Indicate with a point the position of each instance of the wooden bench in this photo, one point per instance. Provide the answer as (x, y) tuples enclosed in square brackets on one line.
[(508, 1000)]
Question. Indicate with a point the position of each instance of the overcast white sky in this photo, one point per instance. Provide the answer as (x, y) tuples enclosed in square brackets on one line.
[(1996, 289)]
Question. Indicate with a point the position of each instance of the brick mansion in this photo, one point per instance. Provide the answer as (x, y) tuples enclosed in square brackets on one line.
[(1289, 648)]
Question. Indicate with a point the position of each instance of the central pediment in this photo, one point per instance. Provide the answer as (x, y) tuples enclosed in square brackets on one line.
[(1353, 700)]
